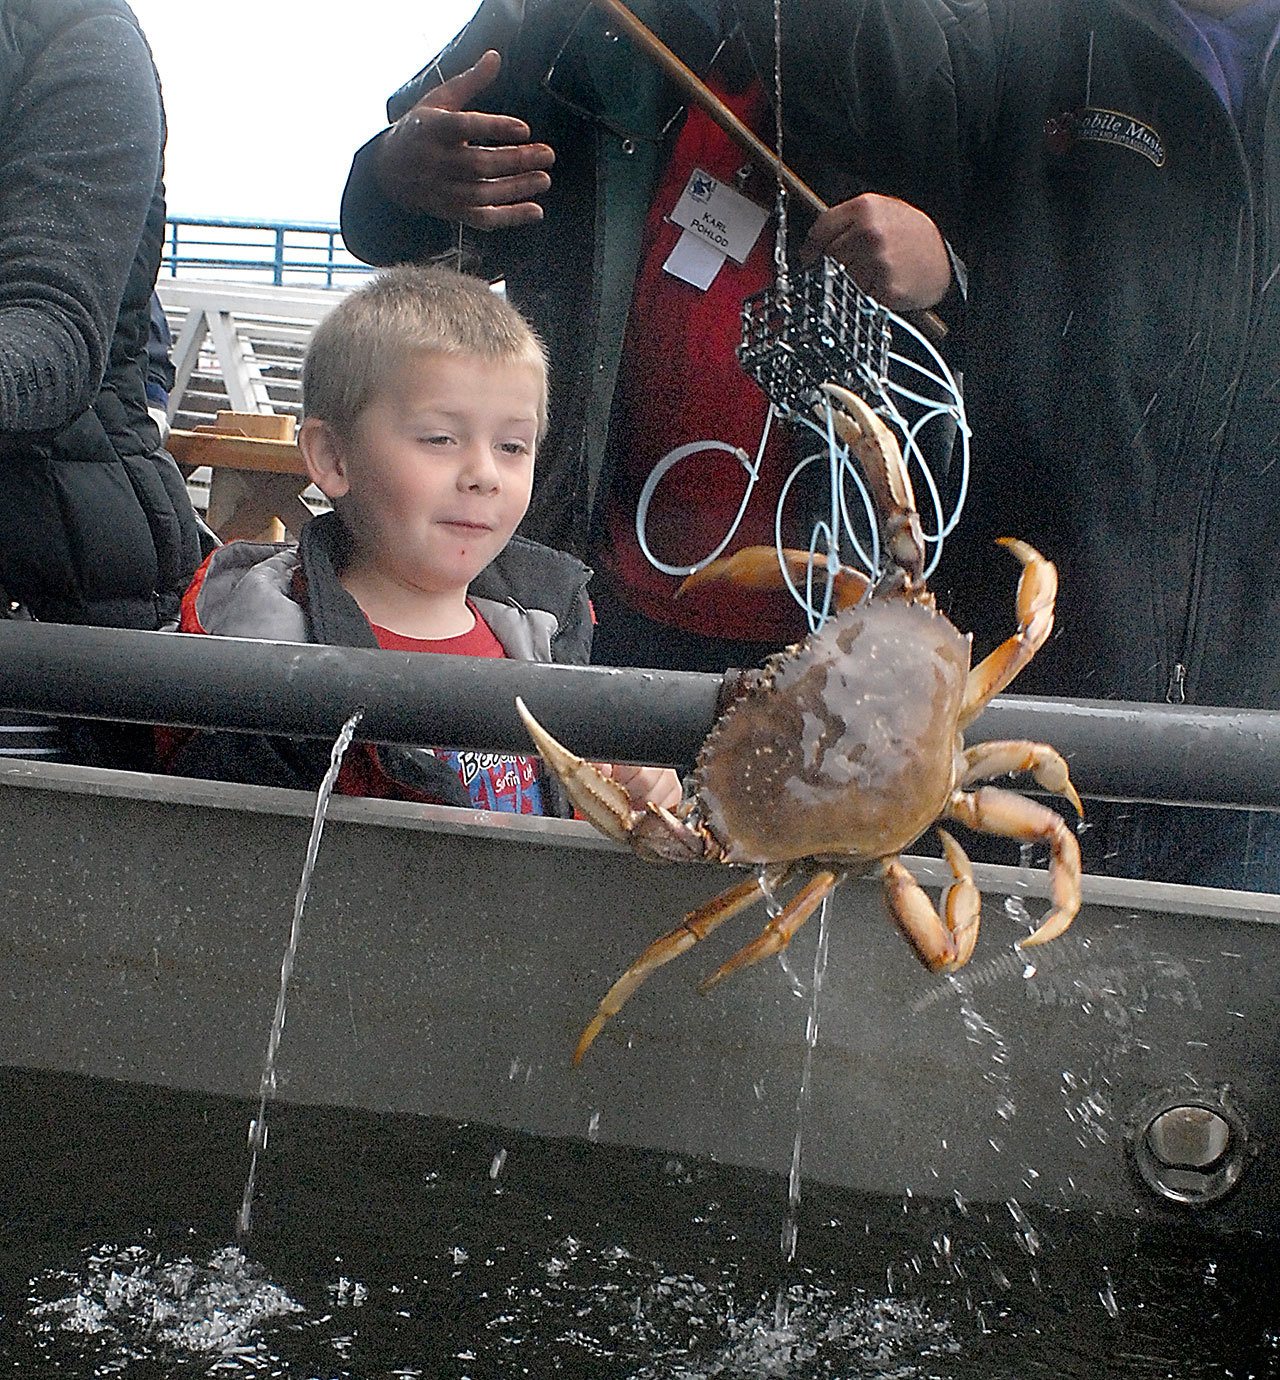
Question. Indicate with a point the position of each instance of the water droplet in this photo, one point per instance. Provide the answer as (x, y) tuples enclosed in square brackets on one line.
[(781, 1309), (1016, 909)]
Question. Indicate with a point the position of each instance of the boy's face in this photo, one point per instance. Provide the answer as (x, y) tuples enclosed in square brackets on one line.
[(440, 467)]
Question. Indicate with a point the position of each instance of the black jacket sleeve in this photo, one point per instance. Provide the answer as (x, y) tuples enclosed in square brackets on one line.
[(251, 759), (254, 759), (378, 231), (374, 228)]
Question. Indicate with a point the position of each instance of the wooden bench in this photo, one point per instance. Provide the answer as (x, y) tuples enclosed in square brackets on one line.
[(258, 474)]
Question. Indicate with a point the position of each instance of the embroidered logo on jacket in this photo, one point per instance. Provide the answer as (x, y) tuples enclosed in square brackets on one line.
[(1094, 125)]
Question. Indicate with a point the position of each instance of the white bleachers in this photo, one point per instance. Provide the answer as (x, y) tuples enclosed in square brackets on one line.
[(238, 348)]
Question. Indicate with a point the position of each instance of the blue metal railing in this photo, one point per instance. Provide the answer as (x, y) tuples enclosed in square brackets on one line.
[(280, 252)]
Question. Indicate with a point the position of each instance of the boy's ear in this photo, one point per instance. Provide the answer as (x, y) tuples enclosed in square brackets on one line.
[(324, 456)]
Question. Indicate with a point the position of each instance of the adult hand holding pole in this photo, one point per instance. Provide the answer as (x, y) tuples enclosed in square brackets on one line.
[(835, 226), (894, 251)]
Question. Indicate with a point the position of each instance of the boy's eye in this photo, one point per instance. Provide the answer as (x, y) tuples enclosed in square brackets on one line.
[(438, 440), (515, 447)]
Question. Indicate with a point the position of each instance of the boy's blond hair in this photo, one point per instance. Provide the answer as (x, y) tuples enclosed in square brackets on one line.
[(404, 311)]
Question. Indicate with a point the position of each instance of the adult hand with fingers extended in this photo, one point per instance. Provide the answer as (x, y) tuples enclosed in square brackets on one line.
[(894, 251), (446, 160)]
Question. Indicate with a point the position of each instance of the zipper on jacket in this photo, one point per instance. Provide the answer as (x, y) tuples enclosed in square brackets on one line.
[(580, 588), (1249, 212)]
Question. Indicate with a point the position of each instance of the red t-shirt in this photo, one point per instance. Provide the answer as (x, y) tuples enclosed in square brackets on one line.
[(495, 781), (680, 381)]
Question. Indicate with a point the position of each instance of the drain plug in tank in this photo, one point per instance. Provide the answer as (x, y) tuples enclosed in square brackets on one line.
[(1190, 1146)]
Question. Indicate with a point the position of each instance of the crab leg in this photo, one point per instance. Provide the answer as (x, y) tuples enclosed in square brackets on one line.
[(990, 810), (1001, 758), (943, 942), (1037, 591), (690, 931), (756, 567), (878, 452), (778, 933)]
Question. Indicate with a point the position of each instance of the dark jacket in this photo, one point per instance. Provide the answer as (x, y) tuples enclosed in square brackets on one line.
[(95, 522), (1124, 343), (849, 119), (534, 599)]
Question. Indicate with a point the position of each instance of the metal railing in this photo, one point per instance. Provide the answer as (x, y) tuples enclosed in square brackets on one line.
[(276, 252)]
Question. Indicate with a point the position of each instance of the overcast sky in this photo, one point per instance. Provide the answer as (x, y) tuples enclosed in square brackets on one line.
[(268, 99)]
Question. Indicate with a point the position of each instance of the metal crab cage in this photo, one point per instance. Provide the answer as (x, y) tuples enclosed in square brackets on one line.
[(810, 329)]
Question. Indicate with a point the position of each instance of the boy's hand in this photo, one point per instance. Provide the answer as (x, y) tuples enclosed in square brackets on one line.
[(443, 159), (894, 251), (659, 785)]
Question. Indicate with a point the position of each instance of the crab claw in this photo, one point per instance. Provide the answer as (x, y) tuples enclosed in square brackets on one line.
[(758, 567), (598, 798), (654, 833), (754, 567), (880, 455)]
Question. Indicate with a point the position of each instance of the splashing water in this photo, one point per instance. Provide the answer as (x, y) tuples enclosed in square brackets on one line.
[(1108, 1294), (267, 1086), (1015, 906), (1026, 1235), (136, 1302), (772, 905), (882, 1335), (399, 1258)]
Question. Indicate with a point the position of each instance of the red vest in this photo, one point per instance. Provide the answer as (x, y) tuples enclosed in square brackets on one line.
[(680, 381)]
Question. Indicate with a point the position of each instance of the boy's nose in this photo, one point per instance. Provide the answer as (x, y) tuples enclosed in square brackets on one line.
[(481, 470)]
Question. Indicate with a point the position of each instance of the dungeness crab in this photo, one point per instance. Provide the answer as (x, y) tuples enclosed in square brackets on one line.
[(845, 748)]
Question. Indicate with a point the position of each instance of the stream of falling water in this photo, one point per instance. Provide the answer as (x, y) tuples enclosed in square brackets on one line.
[(267, 1087), (790, 1220)]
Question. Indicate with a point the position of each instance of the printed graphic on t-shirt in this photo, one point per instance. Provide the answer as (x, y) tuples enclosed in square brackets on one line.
[(494, 781), (497, 782)]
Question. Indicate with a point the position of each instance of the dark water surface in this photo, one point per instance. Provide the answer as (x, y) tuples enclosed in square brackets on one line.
[(402, 1247)]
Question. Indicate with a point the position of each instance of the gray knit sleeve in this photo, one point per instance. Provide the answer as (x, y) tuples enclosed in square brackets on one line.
[(80, 154)]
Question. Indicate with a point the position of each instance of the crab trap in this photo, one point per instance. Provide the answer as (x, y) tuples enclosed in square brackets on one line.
[(817, 327)]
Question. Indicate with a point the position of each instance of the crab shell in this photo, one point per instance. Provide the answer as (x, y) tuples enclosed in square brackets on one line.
[(847, 746)]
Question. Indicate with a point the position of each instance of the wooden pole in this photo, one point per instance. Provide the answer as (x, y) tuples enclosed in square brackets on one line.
[(696, 91)]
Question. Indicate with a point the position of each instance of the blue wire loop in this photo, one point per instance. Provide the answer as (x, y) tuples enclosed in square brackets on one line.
[(938, 398)]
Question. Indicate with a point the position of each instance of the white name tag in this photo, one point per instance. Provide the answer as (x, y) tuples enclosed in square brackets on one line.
[(694, 261), (724, 220)]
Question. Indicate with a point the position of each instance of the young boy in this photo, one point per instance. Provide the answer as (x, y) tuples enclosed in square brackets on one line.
[(425, 399)]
